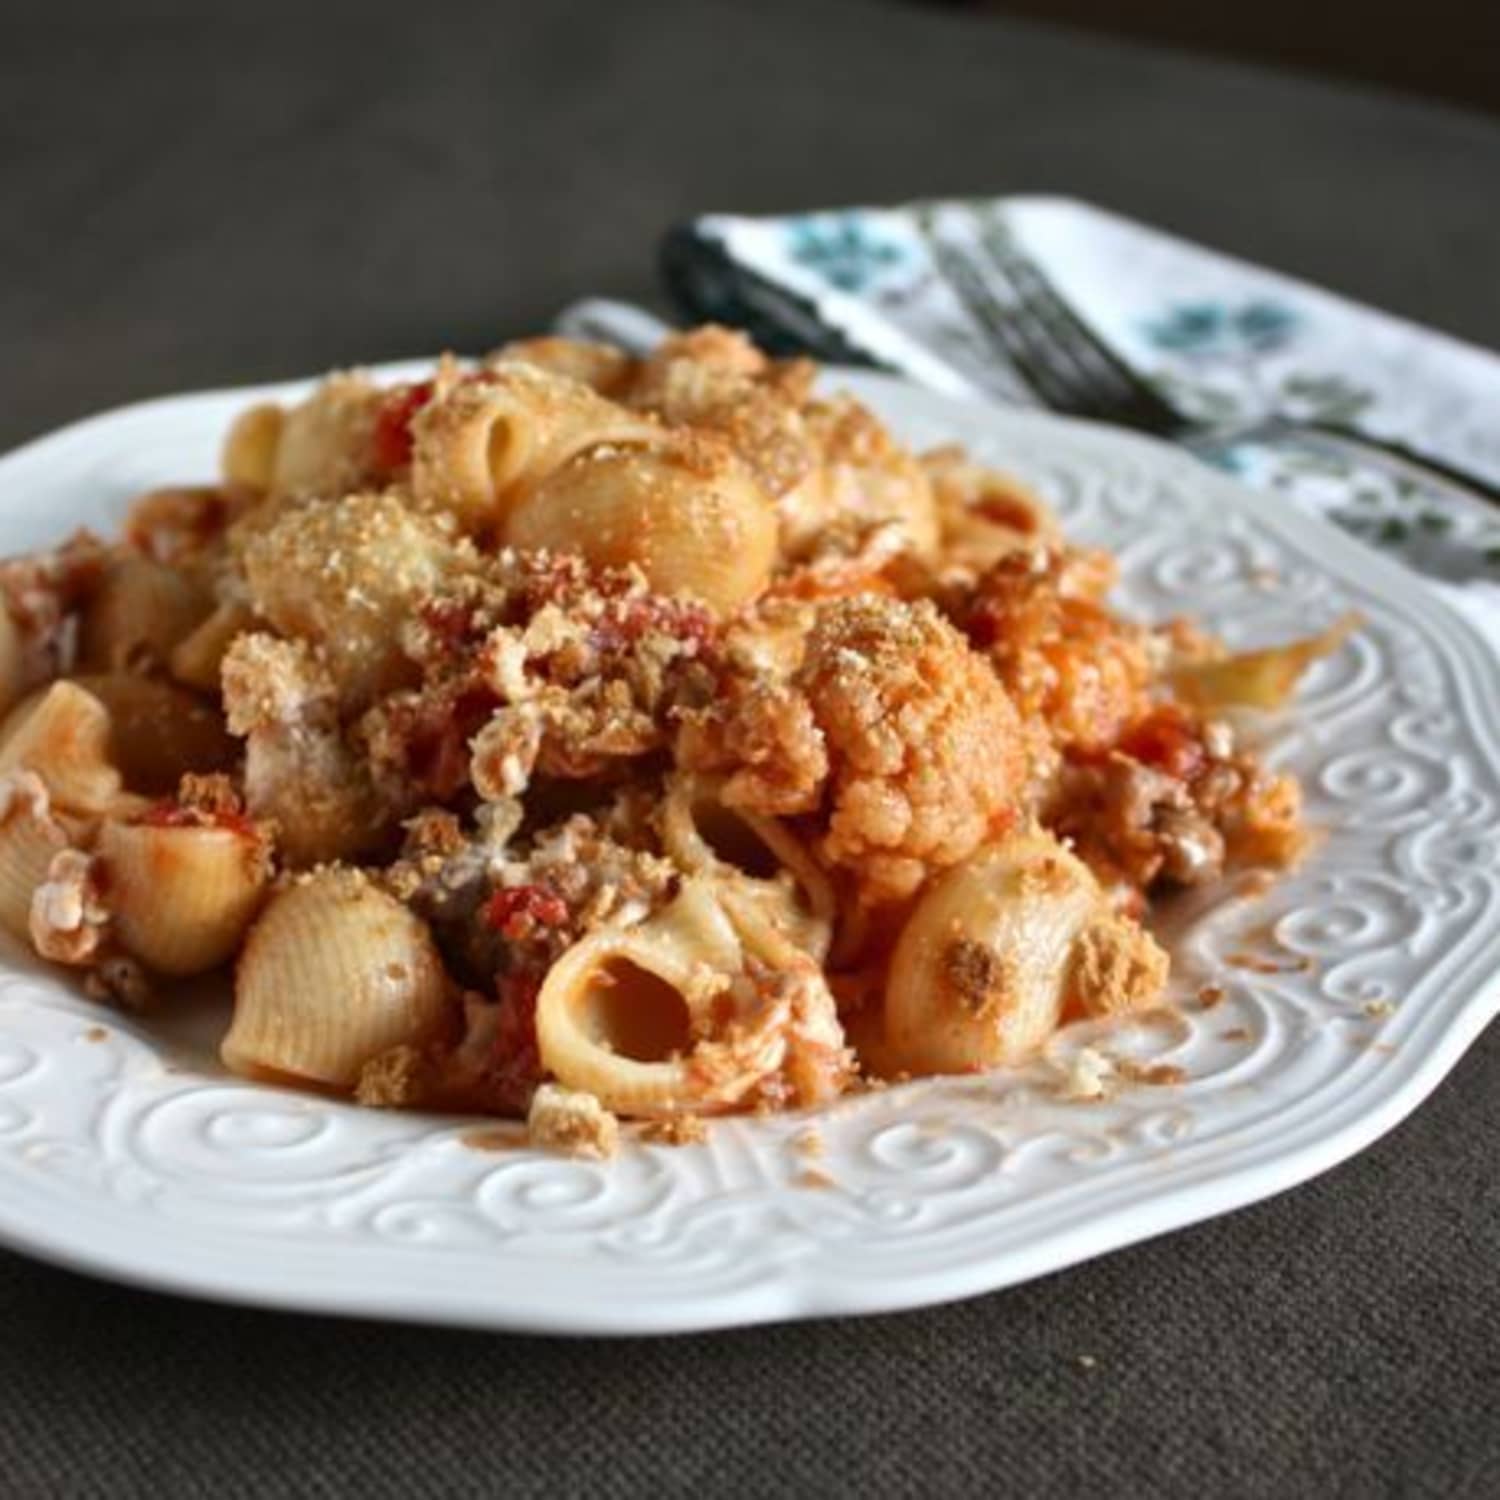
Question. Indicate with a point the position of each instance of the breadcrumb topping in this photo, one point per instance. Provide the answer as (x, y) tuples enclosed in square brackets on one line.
[(913, 666), (573, 1123)]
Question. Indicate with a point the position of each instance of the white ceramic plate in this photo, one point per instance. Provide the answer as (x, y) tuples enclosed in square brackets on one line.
[(126, 1151)]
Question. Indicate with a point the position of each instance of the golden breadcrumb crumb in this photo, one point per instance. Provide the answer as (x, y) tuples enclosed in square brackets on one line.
[(572, 1122), (675, 1130), (399, 1078)]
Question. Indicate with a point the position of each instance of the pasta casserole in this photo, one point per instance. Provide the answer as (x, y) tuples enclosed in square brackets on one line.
[(574, 736)]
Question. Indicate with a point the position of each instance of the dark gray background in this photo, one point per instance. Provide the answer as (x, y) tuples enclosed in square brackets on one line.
[(188, 201)]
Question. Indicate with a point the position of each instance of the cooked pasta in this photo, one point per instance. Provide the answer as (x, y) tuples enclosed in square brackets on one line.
[(182, 892), (685, 512), (334, 973), (575, 736)]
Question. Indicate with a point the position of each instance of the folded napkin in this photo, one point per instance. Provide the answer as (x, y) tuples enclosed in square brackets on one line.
[(1230, 345)]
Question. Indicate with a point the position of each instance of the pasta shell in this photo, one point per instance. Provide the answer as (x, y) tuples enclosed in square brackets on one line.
[(663, 1018), (196, 660), (483, 442), (139, 612), (333, 973), (249, 455), (12, 662), (182, 897), (30, 836), (686, 513), (772, 868), (983, 514), (615, 1016), (323, 444), (985, 962), (158, 731), (63, 734)]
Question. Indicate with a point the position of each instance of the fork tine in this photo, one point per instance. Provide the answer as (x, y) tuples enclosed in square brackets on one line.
[(1091, 390), (998, 326), (1037, 289), (1066, 382)]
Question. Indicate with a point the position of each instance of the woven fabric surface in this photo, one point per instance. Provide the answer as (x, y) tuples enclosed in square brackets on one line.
[(200, 197)]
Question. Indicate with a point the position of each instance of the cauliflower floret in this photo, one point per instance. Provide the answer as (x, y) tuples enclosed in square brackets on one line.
[(879, 720), (890, 725), (1064, 659), (927, 753)]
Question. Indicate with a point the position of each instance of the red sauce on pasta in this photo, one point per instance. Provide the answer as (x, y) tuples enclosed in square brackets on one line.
[(1166, 740), (391, 442)]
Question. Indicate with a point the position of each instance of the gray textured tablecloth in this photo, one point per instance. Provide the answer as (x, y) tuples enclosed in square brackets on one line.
[(186, 202)]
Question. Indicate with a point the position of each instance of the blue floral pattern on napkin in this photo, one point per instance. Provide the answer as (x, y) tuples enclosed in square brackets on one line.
[(1228, 344)]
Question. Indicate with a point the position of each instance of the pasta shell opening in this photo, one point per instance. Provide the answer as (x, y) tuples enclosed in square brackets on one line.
[(733, 841), (705, 835), (505, 452), (158, 732), (635, 1013)]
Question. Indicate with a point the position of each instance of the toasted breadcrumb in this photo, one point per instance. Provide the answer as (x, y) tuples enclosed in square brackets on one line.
[(1155, 1075), (572, 1122), (1117, 967), (399, 1078), (119, 980), (814, 1177), (1087, 1075), (69, 916), (675, 1130)]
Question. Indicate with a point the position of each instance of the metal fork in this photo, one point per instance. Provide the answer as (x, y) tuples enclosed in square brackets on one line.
[(1071, 369)]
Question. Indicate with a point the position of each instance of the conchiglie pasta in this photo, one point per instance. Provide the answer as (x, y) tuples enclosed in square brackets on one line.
[(686, 513), (158, 732), (994, 952), (693, 1011), (334, 973), (601, 367), (197, 659), (63, 735), (323, 445), (702, 835), (485, 441), (12, 661), (250, 450), (30, 837), (138, 614), (182, 897)]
